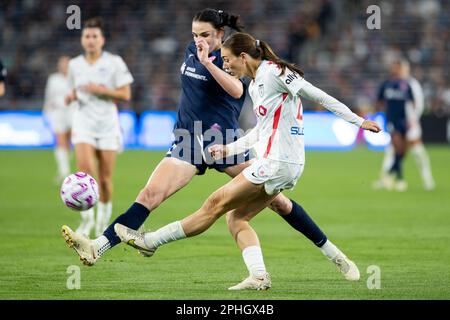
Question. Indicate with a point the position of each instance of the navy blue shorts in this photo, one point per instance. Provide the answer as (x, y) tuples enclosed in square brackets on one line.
[(192, 149), (399, 126)]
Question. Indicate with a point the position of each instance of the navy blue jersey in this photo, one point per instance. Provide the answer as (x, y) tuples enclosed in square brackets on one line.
[(203, 99), (396, 94)]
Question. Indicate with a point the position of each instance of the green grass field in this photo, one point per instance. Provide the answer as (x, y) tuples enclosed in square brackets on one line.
[(407, 235)]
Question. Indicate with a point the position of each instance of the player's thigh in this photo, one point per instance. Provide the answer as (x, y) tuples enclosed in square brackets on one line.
[(236, 193), (106, 162), (85, 157), (250, 209), (235, 170), (170, 175)]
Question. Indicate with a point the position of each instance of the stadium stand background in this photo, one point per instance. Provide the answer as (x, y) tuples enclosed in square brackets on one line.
[(328, 39)]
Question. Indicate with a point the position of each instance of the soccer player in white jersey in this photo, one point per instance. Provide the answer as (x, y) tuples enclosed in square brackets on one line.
[(97, 79), (59, 115), (277, 139), (413, 136)]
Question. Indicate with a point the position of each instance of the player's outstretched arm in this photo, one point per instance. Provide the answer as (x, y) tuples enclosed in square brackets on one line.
[(313, 93), (242, 144)]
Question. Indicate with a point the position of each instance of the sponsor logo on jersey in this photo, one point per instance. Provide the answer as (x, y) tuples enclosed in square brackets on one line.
[(297, 131), (291, 77), (261, 89), (262, 111)]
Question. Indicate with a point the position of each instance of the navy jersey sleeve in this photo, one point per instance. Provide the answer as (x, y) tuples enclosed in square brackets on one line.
[(380, 96), (2, 72)]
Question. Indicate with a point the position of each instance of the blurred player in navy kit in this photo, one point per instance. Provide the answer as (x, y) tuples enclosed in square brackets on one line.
[(212, 99), (2, 79), (413, 135), (395, 96)]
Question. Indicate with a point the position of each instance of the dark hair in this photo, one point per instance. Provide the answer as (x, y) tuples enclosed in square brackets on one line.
[(218, 19), (95, 22), (257, 49)]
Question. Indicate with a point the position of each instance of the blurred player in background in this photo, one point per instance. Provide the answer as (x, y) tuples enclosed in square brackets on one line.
[(97, 79), (413, 136), (275, 90), (2, 79), (214, 98), (59, 115)]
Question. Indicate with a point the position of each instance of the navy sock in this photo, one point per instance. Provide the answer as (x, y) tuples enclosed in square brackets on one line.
[(302, 222), (133, 218), (397, 166)]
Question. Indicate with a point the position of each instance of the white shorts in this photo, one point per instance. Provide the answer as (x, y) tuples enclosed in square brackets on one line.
[(113, 143), (414, 131), (60, 119), (276, 175)]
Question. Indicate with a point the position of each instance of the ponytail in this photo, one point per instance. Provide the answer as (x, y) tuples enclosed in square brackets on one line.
[(219, 19), (268, 54), (257, 49)]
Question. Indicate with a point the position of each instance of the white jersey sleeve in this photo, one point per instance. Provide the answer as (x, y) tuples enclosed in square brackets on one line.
[(70, 76), (289, 81), (122, 75), (418, 97), (244, 143), (313, 93)]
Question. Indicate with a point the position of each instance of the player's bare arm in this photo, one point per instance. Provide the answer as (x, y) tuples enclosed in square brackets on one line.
[(122, 93), (229, 83)]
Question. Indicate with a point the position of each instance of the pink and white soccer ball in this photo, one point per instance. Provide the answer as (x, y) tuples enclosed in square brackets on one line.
[(79, 191)]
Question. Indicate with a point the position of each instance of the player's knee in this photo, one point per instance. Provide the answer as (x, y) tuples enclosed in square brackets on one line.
[(150, 197), (215, 204), (281, 205)]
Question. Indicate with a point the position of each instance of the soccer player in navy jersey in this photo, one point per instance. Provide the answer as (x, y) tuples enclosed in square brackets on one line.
[(394, 95), (211, 101)]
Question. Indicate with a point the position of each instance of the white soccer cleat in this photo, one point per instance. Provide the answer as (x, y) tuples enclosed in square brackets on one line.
[(254, 283), (346, 266), (388, 181), (401, 186), (82, 245), (133, 238), (429, 185)]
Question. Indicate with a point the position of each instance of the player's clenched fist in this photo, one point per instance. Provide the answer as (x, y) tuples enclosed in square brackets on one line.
[(218, 151)]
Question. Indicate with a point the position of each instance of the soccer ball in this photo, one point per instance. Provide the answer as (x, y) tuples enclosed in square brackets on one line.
[(79, 191)]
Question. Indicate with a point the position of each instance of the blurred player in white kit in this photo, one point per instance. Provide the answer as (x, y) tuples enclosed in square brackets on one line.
[(59, 116), (97, 80)]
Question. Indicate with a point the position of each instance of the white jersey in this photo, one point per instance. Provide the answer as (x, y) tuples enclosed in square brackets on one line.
[(278, 134), (414, 112), (97, 116), (56, 89)]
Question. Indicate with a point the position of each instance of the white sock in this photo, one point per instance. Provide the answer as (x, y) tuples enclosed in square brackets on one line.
[(88, 216), (101, 244), (329, 250), (101, 211), (87, 222), (423, 162), (254, 261), (107, 214), (171, 232), (388, 160), (62, 162)]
